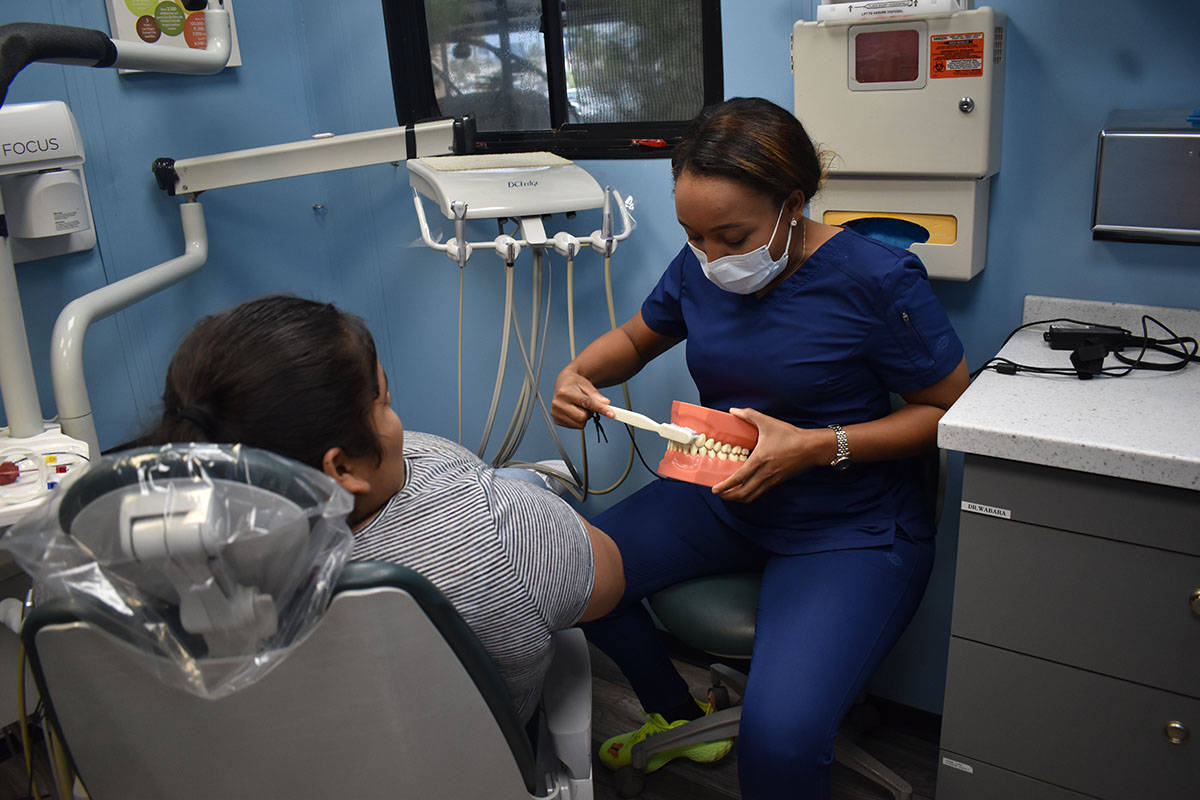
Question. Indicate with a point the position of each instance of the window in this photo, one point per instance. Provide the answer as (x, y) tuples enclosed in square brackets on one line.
[(582, 78)]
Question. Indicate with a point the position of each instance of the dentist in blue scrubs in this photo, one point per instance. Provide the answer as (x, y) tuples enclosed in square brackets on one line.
[(804, 330)]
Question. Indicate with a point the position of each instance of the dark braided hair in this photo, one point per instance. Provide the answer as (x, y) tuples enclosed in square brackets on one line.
[(285, 374)]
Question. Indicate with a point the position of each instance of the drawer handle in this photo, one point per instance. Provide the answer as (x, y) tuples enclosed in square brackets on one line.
[(1177, 732), (1194, 602)]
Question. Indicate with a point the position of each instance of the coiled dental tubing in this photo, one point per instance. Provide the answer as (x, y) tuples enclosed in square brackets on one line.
[(507, 248), (612, 321)]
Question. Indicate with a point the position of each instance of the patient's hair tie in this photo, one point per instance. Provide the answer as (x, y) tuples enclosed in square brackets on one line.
[(201, 417)]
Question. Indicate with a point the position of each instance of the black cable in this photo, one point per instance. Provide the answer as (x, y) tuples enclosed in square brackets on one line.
[(600, 434), (1163, 346), (642, 458), (1087, 358), (1019, 328), (596, 417)]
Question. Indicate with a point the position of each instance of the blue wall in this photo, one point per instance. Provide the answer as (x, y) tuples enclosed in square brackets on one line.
[(315, 66)]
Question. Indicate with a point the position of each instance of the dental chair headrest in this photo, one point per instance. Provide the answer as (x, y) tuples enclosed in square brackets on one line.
[(200, 551)]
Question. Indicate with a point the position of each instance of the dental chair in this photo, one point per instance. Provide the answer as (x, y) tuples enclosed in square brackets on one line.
[(715, 615), (386, 694)]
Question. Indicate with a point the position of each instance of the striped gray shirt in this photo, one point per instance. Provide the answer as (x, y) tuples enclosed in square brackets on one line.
[(513, 559)]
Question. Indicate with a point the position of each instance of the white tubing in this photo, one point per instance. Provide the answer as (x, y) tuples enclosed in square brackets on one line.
[(66, 343), (612, 323), (212, 59), (507, 329), (524, 408), (460, 340), (530, 376), (537, 348), (17, 383)]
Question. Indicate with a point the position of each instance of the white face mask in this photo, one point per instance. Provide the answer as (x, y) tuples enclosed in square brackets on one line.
[(744, 273)]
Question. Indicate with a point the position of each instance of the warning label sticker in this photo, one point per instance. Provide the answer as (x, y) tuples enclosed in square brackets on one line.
[(956, 55)]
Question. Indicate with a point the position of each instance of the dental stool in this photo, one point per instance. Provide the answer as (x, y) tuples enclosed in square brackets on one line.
[(715, 615), (387, 694)]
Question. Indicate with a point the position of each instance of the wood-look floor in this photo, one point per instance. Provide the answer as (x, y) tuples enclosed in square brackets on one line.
[(909, 750)]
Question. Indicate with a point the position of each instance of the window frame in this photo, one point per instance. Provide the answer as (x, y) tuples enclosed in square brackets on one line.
[(411, 68)]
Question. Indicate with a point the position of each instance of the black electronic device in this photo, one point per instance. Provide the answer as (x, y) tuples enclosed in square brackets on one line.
[(1072, 337)]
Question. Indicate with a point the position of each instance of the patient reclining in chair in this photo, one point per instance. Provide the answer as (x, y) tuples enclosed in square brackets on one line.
[(301, 379)]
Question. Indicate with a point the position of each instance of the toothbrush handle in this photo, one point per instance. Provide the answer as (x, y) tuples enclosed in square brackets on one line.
[(633, 418)]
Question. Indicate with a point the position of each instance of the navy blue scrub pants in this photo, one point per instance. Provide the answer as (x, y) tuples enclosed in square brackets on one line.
[(825, 621)]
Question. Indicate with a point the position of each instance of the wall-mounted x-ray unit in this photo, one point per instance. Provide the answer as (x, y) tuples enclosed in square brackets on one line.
[(909, 110)]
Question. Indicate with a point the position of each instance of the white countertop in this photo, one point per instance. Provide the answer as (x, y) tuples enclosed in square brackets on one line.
[(1142, 427)]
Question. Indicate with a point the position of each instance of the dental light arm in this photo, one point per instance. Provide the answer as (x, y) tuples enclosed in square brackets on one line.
[(66, 351), (22, 43), (322, 153), (189, 177)]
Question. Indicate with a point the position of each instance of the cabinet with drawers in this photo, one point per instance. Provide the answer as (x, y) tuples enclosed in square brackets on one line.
[(1074, 658), (1074, 666)]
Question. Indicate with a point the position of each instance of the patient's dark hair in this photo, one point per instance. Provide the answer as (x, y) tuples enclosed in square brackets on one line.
[(292, 376)]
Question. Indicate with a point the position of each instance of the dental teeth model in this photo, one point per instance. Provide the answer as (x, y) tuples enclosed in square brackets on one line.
[(711, 448), (703, 458), (719, 445)]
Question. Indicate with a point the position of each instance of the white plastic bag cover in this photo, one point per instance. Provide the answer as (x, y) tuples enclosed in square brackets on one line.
[(215, 559)]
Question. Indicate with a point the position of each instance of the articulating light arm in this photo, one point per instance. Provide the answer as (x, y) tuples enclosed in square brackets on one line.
[(66, 352)]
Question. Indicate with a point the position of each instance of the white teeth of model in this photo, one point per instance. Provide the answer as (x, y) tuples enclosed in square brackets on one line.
[(723, 456), (726, 448), (741, 457)]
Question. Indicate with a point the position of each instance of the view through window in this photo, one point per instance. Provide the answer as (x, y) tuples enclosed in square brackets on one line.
[(581, 77)]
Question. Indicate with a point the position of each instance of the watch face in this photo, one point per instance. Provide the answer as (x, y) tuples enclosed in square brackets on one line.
[(841, 464)]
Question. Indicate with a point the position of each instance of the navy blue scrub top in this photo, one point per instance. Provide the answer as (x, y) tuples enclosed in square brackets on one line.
[(826, 345)]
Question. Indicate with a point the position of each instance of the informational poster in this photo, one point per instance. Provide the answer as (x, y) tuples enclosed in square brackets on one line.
[(165, 23)]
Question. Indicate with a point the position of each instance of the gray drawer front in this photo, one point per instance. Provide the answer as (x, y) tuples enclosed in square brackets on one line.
[(1142, 513), (1068, 727), (1106, 606), (986, 782)]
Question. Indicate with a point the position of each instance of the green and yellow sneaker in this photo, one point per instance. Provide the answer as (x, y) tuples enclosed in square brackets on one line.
[(617, 752)]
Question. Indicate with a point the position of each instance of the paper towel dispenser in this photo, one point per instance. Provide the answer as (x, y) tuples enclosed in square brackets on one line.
[(1148, 178)]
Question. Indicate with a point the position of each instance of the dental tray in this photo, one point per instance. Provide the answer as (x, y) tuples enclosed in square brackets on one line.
[(702, 463)]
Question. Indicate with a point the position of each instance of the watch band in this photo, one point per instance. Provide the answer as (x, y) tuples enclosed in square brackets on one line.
[(842, 459)]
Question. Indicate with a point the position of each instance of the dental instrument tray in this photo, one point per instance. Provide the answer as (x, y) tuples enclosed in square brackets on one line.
[(505, 184)]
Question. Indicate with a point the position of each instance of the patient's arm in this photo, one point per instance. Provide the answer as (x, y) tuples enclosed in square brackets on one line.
[(608, 583)]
